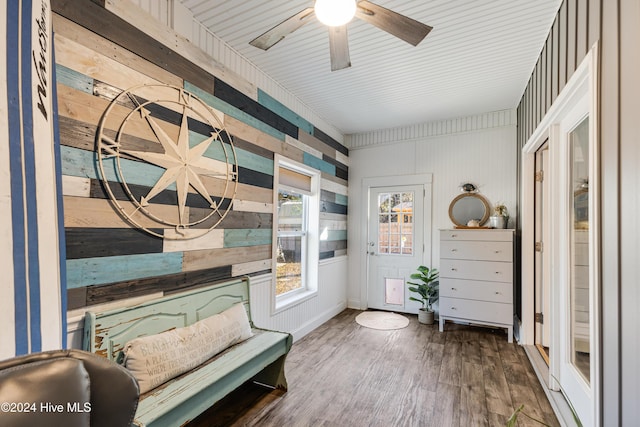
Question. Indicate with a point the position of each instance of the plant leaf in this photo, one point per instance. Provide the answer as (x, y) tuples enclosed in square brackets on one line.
[(511, 422)]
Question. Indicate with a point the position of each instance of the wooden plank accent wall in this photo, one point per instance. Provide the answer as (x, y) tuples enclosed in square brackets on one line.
[(99, 55)]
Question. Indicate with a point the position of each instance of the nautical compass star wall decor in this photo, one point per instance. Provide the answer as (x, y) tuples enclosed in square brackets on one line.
[(166, 161)]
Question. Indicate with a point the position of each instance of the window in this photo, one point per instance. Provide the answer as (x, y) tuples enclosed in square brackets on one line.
[(395, 223), (296, 240)]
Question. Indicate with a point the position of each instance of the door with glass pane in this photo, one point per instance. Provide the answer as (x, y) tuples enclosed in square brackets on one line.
[(395, 246), (577, 278)]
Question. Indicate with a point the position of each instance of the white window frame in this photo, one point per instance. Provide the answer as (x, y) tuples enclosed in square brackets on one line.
[(311, 237)]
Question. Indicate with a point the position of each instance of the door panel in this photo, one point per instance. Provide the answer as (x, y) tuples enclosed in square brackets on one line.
[(542, 258), (395, 246)]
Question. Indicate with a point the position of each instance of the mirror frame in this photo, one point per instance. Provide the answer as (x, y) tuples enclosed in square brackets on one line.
[(485, 202)]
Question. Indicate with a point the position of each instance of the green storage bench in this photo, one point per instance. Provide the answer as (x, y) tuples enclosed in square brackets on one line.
[(260, 358)]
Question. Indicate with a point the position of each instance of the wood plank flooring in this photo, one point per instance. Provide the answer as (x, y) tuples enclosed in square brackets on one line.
[(343, 374)]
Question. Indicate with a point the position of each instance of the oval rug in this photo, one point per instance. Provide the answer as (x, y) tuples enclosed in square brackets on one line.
[(383, 320)]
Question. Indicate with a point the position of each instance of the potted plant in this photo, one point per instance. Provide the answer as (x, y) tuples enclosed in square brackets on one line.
[(427, 289), (500, 216)]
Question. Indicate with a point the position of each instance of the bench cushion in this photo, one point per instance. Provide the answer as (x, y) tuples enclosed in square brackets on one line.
[(155, 359)]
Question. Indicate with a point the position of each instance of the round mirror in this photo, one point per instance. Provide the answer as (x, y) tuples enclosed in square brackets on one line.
[(467, 207)]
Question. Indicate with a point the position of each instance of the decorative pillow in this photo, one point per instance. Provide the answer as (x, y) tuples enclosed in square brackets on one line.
[(155, 359)]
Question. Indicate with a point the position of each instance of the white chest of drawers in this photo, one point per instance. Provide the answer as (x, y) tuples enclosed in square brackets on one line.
[(476, 277)]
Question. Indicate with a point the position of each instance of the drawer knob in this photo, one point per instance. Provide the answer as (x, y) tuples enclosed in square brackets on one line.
[(497, 272), (454, 269), (454, 250), (454, 289), (497, 293), (453, 308), (454, 235), (497, 252)]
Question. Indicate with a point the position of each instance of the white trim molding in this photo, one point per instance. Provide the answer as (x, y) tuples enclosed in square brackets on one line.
[(496, 119)]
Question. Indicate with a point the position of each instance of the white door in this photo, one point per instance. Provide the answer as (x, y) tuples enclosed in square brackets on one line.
[(395, 245), (575, 278), (542, 258)]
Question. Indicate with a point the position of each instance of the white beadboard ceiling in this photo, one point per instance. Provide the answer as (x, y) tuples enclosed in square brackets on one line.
[(477, 59)]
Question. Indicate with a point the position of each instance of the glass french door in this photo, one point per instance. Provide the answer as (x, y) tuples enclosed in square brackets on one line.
[(577, 258)]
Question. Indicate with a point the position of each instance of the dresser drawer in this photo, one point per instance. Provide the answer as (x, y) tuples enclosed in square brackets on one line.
[(495, 235), (489, 271), (477, 290), (476, 250), (479, 311)]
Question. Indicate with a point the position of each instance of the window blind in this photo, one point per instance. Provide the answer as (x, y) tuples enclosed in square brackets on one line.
[(295, 180)]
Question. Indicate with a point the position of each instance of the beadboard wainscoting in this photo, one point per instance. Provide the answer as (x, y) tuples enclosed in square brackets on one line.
[(302, 318)]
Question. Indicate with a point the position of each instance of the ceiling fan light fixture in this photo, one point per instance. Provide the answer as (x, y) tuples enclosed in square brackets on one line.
[(335, 13)]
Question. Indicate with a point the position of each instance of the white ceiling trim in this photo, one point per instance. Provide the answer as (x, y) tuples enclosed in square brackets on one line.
[(473, 123)]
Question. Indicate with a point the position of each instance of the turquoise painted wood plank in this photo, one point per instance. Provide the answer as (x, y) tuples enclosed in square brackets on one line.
[(341, 199), (97, 271), (83, 163), (234, 238), (246, 159), (215, 150), (284, 112), (74, 79), (254, 161), (333, 235), (232, 111), (316, 163)]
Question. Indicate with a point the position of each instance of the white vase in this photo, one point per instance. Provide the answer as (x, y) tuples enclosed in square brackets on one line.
[(497, 221)]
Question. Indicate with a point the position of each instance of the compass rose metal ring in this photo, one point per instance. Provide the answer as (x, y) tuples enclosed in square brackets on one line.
[(166, 161)]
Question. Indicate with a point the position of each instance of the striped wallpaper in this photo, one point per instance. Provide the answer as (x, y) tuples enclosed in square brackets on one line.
[(32, 301), (107, 259)]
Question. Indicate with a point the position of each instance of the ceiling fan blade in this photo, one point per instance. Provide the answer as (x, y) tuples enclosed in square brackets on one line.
[(401, 26), (286, 27), (339, 48)]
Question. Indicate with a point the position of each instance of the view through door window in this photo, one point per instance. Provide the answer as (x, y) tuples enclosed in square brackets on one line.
[(580, 284), (292, 234), (395, 223)]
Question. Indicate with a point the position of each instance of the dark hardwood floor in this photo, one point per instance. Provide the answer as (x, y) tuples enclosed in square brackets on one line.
[(343, 374)]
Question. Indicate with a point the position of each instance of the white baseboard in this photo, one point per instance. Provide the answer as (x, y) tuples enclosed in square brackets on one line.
[(355, 304), (317, 321)]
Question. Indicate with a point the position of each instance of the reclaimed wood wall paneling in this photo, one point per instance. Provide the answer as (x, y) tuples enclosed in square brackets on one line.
[(96, 43), (170, 283), (94, 17), (207, 258), (96, 61)]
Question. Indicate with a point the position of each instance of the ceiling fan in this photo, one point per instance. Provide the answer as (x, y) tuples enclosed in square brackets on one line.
[(336, 14)]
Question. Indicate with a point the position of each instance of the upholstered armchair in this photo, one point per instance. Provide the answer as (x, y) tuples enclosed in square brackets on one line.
[(66, 388)]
